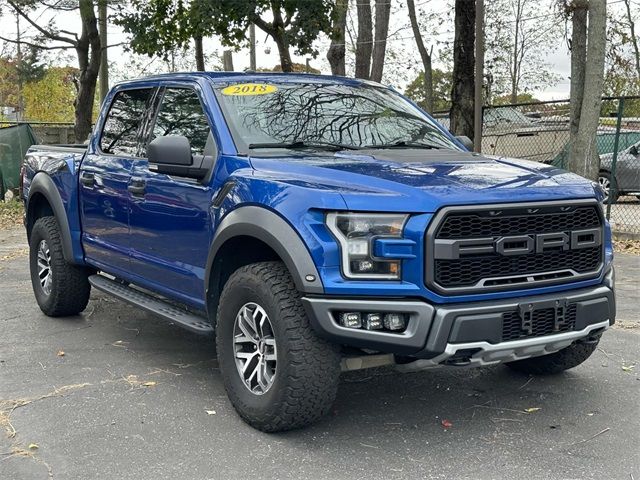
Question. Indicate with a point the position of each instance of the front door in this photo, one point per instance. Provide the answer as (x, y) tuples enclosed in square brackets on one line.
[(170, 225), (104, 177)]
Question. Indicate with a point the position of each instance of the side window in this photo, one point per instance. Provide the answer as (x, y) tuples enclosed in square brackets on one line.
[(181, 114), (120, 131)]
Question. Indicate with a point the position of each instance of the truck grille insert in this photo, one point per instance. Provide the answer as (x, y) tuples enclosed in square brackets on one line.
[(543, 323), (469, 271), (465, 225), (503, 247)]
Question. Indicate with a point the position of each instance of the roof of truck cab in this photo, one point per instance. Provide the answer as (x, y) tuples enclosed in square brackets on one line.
[(225, 77)]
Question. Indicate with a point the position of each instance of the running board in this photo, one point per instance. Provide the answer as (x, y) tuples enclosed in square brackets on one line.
[(157, 306)]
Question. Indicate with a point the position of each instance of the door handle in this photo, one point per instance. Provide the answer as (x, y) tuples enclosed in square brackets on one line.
[(88, 179), (137, 187)]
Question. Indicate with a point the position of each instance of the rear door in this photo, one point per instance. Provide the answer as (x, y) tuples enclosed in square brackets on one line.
[(170, 223), (104, 177)]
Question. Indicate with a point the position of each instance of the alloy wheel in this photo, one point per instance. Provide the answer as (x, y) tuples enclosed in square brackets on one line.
[(254, 348), (605, 183), (44, 267)]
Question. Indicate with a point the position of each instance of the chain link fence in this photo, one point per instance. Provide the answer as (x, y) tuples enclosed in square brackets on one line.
[(540, 131)]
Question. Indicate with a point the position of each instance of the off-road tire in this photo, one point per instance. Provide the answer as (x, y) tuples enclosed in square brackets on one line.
[(70, 288), (557, 362), (307, 369)]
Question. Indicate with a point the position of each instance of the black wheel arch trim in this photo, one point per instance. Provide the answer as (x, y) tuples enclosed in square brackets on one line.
[(274, 231), (43, 185)]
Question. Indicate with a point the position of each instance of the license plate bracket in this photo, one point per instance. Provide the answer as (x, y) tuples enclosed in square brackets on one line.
[(526, 311)]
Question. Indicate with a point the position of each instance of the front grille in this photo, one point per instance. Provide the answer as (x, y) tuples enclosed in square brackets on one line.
[(468, 271), (470, 225), (472, 269), (543, 323)]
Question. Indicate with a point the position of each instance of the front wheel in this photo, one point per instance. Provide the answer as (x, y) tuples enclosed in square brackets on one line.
[(277, 373), (61, 289)]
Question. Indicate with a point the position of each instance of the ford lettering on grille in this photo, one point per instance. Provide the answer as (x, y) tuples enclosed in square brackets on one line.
[(475, 249), (518, 244)]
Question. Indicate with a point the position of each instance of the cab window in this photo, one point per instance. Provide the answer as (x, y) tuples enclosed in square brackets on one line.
[(181, 113), (126, 115)]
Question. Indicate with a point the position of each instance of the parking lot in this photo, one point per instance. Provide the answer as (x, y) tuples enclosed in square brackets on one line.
[(116, 393)]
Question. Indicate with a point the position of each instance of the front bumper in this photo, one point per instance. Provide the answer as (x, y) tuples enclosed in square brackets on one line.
[(465, 333)]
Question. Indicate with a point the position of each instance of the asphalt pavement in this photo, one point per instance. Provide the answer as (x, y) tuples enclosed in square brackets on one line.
[(118, 394)]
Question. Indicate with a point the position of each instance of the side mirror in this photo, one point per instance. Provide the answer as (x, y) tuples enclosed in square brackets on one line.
[(466, 141), (634, 150), (171, 155), (170, 150)]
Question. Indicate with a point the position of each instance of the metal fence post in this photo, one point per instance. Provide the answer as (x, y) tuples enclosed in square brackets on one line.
[(616, 142)]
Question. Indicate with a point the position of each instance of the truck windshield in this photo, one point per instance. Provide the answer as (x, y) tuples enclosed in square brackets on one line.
[(324, 116)]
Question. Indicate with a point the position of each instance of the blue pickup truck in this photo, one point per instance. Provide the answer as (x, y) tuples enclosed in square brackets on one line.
[(314, 225)]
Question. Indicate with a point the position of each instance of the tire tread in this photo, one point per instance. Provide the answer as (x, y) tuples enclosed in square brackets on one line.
[(314, 367), (71, 289), (557, 362)]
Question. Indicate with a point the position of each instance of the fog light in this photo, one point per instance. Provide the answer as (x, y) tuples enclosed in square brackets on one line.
[(364, 266), (373, 321), (394, 321), (351, 320)]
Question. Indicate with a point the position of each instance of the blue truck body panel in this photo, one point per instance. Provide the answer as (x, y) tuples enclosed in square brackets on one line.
[(161, 242)]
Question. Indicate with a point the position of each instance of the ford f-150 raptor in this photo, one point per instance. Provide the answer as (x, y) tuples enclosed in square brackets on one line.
[(316, 224)]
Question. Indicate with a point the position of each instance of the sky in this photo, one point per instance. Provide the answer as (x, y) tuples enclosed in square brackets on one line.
[(401, 66)]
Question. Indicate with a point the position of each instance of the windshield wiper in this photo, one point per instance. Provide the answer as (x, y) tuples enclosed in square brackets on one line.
[(405, 144), (298, 144)]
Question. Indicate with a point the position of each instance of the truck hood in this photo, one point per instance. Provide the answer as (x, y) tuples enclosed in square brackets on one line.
[(414, 180)]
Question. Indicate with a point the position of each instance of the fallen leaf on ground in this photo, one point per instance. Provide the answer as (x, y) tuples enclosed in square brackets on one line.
[(531, 409), (627, 246), (33, 446), (210, 412), (60, 353), (627, 368), (446, 423)]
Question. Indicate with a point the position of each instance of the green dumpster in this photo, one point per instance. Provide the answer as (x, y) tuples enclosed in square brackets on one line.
[(14, 143)]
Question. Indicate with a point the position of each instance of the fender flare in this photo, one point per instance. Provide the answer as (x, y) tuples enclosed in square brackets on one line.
[(273, 230), (43, 184)]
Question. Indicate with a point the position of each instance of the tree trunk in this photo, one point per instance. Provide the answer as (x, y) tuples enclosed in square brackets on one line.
[(462, 93), (227, 61), (364, 42), (197, 40), (383, 9), (283, 50), (584, 159), (578, 59), (89, 52), (516, 68), (337, 50), (634, 37), (424, 55), (103, 75)]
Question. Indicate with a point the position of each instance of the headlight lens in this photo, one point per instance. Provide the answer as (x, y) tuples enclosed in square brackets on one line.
[(356, 232)]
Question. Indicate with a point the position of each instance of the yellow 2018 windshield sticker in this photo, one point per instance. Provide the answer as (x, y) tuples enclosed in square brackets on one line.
[(249, 89)]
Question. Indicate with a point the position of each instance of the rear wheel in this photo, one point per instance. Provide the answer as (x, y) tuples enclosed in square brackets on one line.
[(61, 289), (278, 374), (557, 362)]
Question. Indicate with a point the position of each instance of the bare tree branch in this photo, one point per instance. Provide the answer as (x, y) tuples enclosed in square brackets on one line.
[(43, 31), (38, 46)]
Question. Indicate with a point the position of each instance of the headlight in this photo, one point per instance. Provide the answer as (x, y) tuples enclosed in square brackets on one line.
[(356, 232)]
